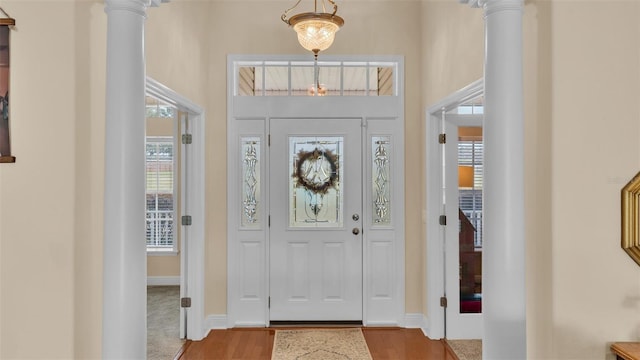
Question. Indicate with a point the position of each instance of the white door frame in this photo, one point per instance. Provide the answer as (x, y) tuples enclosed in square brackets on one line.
[(458, 325), (247, 245), (192, 237), (434, 231)]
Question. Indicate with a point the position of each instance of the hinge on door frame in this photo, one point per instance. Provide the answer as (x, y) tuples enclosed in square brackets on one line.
[(269, 140), (186, 220), (442, 219), (443, 301), (442, 138), (187, 139), (185, 302), (269, 221), (269, 302)]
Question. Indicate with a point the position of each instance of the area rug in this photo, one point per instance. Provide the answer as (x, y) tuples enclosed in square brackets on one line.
[(320, 344), (466, 349)]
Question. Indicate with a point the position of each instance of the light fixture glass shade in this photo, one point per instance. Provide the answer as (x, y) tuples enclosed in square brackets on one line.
[(321, 90), (316, 31)]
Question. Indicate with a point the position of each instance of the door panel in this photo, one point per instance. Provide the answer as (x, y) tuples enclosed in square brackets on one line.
[(315, 188)]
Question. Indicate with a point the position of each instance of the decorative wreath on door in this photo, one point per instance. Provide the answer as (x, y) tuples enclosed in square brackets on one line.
[(317, 170)]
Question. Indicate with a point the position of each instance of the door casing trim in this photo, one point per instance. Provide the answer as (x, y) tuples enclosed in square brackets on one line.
[(434, 232), (247, 295), (191, 269)]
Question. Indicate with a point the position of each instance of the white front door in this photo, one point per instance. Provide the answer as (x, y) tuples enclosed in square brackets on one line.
[(316, 224)]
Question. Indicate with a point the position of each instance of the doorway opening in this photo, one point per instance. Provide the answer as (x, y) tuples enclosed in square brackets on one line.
[(163, 192), (470, 179), (455, 163), (175, 209), (299, 231)]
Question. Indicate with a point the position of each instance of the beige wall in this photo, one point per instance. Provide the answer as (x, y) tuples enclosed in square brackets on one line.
[(452, 55), (582, 121), (595, 123), (50, 199)]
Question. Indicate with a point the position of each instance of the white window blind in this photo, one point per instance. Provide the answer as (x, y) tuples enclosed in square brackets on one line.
[(160, 166)]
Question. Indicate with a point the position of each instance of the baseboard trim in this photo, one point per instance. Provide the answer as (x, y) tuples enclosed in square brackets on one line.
[(215, 322), (417, 321), (411, 321), (163, 280)]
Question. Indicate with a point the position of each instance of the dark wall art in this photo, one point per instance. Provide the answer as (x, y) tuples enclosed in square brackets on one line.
[(5, 141)]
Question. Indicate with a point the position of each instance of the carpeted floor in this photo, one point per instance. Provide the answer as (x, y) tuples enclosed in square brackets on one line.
[(320, 344), (466, 349), (163, 322)]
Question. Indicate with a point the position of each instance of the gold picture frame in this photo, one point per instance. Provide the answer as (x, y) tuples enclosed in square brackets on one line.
[(631, 218)]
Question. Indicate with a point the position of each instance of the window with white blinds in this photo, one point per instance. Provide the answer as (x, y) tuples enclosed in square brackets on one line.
[(471, 153), (160, 188)]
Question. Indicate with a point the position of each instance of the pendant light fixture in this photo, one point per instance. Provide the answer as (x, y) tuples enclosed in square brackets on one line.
[(316, 30)]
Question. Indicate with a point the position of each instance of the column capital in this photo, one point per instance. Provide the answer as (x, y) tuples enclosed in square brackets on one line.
[(471, 3), (136, 6), (493, 6)]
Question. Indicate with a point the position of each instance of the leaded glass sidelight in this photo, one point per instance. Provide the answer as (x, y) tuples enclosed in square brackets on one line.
[(315, 193), (250, 181), (381, 180)]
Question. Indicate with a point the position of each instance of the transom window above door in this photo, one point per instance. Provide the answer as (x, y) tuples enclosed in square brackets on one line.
[(304, 78)]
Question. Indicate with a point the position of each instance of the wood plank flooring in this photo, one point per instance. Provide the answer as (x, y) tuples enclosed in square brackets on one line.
[(257, 343)]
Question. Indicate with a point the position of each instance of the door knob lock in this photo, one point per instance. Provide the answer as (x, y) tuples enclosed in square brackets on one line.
[(355, 217), (355, 231)]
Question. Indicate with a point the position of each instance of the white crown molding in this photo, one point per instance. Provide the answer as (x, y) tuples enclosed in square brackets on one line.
[(471, 3), (164, 93), (493, 6), (135, 6), (461, 96), (156, 3)]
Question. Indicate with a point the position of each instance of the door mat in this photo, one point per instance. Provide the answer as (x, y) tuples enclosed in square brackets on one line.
[(163, 322), (466, 349), (320, 344)]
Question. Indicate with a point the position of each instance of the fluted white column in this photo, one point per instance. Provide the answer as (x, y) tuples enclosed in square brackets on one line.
[(124, 308), (503, 286)]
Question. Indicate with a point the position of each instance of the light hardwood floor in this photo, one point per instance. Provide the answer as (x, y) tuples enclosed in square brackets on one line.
[(256, 344)]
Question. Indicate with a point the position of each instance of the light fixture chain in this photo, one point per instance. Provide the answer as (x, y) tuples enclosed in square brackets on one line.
[(335, 6), (317, 76)]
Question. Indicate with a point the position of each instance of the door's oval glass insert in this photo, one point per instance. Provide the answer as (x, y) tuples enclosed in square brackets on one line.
[(315, 189)]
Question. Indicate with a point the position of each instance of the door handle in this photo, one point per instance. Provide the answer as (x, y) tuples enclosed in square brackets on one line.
[(355, 231)]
